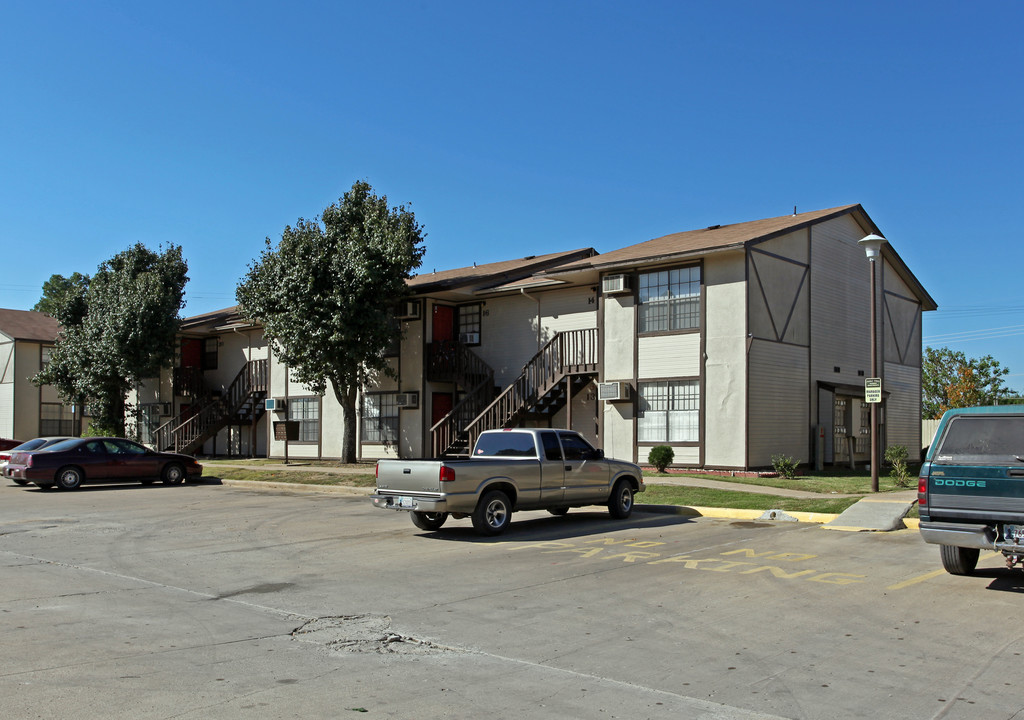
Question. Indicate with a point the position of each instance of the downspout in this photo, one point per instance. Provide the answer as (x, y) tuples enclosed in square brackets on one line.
[(536, 300)]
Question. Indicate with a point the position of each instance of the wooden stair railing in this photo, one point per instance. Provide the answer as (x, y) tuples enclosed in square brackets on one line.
[(246, 390), (573, 352)]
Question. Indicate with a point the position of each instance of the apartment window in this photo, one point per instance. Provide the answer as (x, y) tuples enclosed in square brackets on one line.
[(56, 419), (210, 346), (45, 357), (670, 300), (307, 412), (469, 324), (380, 418), (669, 411), (149, 421)]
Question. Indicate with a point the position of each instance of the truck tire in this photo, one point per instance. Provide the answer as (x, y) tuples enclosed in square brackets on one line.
[(620, 504), (428, 521), (493, 513), (959, 560)]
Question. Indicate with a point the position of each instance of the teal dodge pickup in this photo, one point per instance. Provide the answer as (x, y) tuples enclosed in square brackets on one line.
[(971, 486)]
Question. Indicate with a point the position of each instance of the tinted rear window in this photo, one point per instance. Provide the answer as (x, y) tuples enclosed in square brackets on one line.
[(982, 439), (505, 444)]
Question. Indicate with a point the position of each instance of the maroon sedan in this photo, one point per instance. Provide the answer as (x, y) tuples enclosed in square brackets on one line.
[(70, 463)]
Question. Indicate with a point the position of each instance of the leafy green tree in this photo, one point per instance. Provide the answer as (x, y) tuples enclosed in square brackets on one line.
[(121, 330), (950, 379), (64, 298), (326, 295)]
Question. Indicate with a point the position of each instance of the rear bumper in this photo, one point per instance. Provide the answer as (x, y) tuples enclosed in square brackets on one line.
[(984, 537), (418, 503)]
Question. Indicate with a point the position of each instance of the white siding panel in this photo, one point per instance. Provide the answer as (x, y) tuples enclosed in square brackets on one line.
[(840, 304), (686, 456), (669, 356), (902, 408), (779, 414)]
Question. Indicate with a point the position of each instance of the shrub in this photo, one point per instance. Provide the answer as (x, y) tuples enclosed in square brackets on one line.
[(784, 465), (896, 456), (661, 456)]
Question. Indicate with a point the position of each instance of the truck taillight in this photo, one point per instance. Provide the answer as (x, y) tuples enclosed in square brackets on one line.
[(922, 491), (447, 474), (376, 471)]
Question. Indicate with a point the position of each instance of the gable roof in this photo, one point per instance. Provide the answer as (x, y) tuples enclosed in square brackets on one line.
[(491, 275), (714, 238), (28, 325)]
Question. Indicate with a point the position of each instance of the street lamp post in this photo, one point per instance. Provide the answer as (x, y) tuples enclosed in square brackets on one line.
[(872, 245)]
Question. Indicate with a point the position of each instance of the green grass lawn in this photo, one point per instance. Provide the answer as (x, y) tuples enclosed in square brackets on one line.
[(841, 481)]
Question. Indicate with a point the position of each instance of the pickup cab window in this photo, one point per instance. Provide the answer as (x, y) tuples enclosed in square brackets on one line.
[(982, 439), (575, 447), (506, 444), (552, 450)]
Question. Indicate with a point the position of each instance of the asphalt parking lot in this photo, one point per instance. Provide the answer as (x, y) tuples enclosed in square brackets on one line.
[(215, 600)]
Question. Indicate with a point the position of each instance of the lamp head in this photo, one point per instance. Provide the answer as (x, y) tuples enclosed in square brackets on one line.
[(872, 245)]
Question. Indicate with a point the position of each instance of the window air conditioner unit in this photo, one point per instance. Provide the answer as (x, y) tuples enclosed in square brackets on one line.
[(612, 284), (469, 338), (614, 391), (276, 404), (408, 400), (409, 310), (164, 408)]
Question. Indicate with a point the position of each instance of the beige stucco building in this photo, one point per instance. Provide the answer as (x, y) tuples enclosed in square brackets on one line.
[(26, 410), (730, 344)]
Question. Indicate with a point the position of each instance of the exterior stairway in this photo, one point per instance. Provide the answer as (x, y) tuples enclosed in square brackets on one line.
[(242, 404), (463, 367), (548, 381)]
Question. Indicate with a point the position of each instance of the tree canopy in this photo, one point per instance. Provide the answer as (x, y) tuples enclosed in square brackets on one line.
[(64, 298), (326, 295), (949, 379), (118, 328)]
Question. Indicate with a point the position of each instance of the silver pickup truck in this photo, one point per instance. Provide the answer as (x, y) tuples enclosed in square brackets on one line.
[(533, 469)]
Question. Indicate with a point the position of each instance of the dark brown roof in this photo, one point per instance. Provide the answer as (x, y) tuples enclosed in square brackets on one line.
[(28, 325), (214, 320), (493, 274), (716, 237)]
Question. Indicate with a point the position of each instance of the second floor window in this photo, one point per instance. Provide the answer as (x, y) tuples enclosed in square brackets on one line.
[(670, 300), (469, 324)]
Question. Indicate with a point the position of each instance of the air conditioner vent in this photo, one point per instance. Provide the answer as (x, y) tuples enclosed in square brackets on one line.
[(613, 284), (614, 391)]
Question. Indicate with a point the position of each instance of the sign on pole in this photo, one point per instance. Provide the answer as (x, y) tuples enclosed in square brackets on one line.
[(873, 390)]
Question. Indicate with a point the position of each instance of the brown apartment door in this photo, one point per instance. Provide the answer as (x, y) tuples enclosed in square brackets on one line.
[(441, 404), (443, 324)]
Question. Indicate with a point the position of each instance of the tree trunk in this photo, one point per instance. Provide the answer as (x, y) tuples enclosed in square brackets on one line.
[(346, 397)]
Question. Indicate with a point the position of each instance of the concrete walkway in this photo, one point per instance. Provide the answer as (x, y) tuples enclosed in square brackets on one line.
[(883, 512)]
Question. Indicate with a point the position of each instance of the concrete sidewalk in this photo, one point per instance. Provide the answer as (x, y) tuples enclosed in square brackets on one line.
[(883, 512)]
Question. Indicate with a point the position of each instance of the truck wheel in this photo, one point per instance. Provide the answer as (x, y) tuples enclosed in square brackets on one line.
[(428, 521), (959, 560), (493, 513), (620, 504)]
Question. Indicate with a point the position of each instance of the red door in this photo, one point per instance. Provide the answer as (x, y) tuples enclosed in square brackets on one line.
[(444, 323), (440, 405), (191, 352)]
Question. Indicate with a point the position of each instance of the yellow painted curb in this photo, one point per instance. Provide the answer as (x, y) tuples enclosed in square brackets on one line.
[(738, 514)]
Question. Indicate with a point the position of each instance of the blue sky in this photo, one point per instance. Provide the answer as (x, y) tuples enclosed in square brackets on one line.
[(515, 129)]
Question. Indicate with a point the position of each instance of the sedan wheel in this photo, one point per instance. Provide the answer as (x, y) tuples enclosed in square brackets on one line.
[(69, 478), (174, 474)]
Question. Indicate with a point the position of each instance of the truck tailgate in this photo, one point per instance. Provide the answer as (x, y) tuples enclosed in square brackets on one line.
[(976, 492), (409, 476)]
